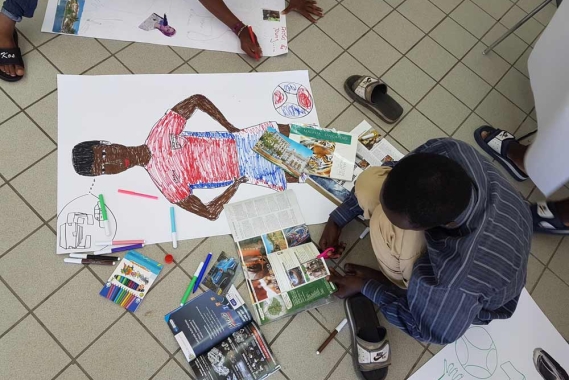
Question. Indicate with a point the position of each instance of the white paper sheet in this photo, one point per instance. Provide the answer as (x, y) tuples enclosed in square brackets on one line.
[(123, 110), (502, 350), (195, 26), (547, 157)]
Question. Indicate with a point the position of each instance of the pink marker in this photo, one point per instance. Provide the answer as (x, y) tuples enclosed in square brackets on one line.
[(128, 192), (119, 242)]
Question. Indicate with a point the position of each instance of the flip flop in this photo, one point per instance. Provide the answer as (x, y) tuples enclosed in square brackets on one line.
[(496, 144), (12, 56), (369, 339), (546, 219), (372, 94)]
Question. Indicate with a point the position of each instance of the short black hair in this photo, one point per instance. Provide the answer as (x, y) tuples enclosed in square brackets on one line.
[(83, 157), (429, 189)]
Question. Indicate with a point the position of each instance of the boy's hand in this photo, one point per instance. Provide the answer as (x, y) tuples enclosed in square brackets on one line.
[(252, 49), (307, 8), (330, 238), (347, 285)]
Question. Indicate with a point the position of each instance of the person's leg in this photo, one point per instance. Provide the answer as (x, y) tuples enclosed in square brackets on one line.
[(12, 12), (517, 152), (395, 249)]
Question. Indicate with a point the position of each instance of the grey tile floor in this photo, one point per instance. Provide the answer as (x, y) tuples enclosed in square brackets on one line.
[(53, 323)]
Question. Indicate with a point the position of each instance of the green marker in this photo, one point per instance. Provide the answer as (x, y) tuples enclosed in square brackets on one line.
[(191, 286), (106, 222)]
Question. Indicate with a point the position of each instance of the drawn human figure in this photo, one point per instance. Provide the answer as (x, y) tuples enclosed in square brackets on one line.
[(181, 161)]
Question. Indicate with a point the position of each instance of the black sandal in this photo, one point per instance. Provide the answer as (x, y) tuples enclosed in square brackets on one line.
[(372, 352), (12, 56), (372, 94), (496, 144)]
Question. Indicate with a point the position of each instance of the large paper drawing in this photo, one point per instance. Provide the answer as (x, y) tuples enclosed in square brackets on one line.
[(524, 347), (183, 23), (194, 153)]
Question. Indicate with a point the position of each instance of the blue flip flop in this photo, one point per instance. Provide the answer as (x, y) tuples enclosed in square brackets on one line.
[(496, 145), (546, 219)]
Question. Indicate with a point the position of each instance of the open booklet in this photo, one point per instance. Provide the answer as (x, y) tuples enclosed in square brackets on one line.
[(333, 152), (282, 271), (372, 150), (311, 150), (219, 338)]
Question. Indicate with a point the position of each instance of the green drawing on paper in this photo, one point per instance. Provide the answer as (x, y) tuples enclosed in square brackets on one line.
[(477, 353), (512, 372)]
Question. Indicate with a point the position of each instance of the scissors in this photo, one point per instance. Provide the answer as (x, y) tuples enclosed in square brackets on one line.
[(326, 253)]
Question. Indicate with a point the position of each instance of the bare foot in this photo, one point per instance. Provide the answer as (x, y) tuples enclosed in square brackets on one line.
[(364, 272), (7, 27)]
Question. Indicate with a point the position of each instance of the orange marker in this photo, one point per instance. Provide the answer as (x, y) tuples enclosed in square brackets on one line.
[(252, 35)]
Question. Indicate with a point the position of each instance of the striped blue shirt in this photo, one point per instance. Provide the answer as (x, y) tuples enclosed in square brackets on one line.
[(471, 274)]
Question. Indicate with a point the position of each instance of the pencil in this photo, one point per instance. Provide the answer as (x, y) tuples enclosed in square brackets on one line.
[(252, 35), (332, 335)]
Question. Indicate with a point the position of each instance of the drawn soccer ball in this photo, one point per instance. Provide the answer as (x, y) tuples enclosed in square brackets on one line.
[(477, 353), (292, 100)]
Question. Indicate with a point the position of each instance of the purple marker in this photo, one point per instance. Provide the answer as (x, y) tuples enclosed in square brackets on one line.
[(127, 248)]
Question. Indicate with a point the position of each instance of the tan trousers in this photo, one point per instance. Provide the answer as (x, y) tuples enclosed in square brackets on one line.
[(396, 249)]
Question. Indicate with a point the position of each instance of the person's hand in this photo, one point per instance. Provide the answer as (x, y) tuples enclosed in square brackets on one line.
[(252, 49), (307, 8), (347, 285), (330, 238)]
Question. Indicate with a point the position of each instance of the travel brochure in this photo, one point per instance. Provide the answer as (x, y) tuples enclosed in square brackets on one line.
[(333, 152), (282, 270), (311, 150), (219, 338), (372, 150)]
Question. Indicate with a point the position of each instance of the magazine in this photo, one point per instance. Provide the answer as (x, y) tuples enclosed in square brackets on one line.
[(290, 155), (282, 271), (219, 338), (372, 150), (333, 152)]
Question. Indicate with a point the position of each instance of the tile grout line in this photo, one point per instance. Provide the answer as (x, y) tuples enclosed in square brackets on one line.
[(42, 325), (335, 367), (417, 362)]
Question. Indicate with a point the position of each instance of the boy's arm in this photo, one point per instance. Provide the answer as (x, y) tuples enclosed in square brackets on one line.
[(187, 107), (210, 210), (224, 14)]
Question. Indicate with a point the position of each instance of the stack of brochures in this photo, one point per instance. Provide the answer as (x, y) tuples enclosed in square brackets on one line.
[(282, 271), (372, 150), (219, 338), (312, 150)]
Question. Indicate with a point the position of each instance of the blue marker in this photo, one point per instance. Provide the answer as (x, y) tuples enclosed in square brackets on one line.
[(173, 225), (202, 272)]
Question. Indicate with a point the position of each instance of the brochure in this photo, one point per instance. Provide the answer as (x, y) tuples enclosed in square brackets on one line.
[(372, 150), (289, 155), (333, 152), (219, 338), (282, 271)]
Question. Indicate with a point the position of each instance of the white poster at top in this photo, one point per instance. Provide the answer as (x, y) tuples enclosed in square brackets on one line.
[(184, 23), (185, 139), (524, 347)]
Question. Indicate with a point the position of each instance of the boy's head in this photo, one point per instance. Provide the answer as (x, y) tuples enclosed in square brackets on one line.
[(425, 190), (94, 158)]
